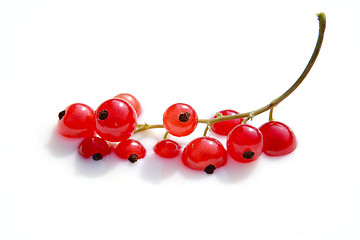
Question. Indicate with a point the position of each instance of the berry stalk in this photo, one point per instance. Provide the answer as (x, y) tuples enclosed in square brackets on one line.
[(144, 127), (249, 115)]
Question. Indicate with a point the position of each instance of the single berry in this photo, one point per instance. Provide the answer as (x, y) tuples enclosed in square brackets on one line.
[(244, 143), (77, 120), (94, 147), (224, 127), (205, 154), (180, 119), (130, 149), (115, 120), (167, 148), (132, 100), (279, 139)]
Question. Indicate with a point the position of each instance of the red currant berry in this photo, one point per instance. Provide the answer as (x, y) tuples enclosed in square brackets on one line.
[(94, 147), (279, 139), (167, 148), (180, 119), (132, 100), (130, 149), (77, 120), (224, 127), (115, 120), (204, 153), (244, 143)]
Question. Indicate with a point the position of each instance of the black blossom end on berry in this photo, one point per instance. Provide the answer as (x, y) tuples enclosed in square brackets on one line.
[(97, 157), (184, 117), (133, 158), (248, 154), (61, 114), (103, 115), (210, 169)]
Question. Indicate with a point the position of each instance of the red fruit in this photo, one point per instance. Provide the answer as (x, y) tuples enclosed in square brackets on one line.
[(94, 147), (115, 120), (204, 153), (279, 139), (180, 119), (244, 143), (224, 127), (77, 120), (167, 148), (132, 100), (130, 149)]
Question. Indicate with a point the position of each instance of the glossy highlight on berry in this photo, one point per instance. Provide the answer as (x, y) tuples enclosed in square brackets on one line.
[(244, 143), (134, 102), (205, 154), (76, 121), (94, 147), (180, 119), (167, 148), (279, 139), (224, 127), (115, 120), (130, 149)]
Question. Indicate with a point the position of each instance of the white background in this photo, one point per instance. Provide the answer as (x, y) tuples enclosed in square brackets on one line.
[(212, 55)]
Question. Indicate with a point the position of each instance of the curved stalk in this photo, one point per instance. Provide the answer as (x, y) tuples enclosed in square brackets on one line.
[(276, 101), (206, 130)]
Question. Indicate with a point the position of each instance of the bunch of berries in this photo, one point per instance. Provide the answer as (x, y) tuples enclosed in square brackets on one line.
[(111, 125), (115, 120)]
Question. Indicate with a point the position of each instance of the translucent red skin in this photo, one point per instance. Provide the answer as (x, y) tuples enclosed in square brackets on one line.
[(120, 123), (244, 138), (78, 121), (132, 100), (172, 123), (92, 145), (279, 139), (224, 127), (167, 148), (128, 147), (203, 151)]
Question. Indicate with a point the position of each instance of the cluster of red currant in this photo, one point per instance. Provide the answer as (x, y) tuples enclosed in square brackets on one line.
[(115, 121)]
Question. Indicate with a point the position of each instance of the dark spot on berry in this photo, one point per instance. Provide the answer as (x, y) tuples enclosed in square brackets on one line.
[(103, 115), (133, 158), (210, 169), (248, 154), (184, 117), (61, 114), (97, 156)]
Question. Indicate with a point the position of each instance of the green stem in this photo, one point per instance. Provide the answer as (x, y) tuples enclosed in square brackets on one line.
[(271, 114), (206, 130), (322, 26), (276, 101), (147, 127), (166, 134)]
